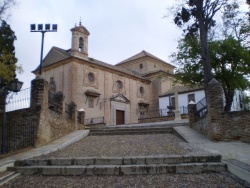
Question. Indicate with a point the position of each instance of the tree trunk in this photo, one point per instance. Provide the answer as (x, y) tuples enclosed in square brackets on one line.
[(203, 27), (229, 100)]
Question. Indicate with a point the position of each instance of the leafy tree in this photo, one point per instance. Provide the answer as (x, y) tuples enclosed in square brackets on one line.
[(7, 53), (199, 15), (229, 61)]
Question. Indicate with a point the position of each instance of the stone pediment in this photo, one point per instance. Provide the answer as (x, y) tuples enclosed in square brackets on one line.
[(120, 98)]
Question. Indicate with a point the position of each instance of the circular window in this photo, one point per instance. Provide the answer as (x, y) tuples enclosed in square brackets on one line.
[(141, 90), (91, 77), (119, 84)]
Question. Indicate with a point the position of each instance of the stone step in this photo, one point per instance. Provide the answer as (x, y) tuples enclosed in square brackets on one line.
[(139, 160), (148, 125), (11, 175), (126, 131), (129, 132), (121, 169), (131, 128)]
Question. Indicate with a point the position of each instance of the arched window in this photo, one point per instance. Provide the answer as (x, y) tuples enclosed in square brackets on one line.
[(141, 90), (119, 84), (80, 44)]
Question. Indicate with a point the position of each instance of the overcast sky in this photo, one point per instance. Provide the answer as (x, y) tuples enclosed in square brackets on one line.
[(118, 29)]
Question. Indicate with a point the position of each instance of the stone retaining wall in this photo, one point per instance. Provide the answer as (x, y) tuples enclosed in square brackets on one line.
[(49, 125), (160, 119), (219, 125)]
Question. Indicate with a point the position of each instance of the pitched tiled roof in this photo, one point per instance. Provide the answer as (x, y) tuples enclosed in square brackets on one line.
[(57, 54), (140, 55), (97, 62), (183, 89), (54, 55)]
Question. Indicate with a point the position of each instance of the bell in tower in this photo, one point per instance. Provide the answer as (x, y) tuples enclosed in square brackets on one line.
[(79, 46)]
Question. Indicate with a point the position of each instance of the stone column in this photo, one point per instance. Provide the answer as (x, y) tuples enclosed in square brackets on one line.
[(177, 111), (39, 94), (82, 117), (39, 106), (73, 108), (214, 94), (191, 112)]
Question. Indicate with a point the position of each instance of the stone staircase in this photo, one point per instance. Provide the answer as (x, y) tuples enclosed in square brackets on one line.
[(132, 130), (121, 165)]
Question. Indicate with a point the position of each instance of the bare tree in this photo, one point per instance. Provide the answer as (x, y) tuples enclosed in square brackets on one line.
[(199, 14), (5, 5)]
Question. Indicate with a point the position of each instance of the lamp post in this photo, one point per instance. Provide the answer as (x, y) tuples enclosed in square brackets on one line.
[(14, 86), (41, 30)]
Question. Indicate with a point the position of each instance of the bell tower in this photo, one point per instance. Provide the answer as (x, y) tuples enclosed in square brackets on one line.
[(79, 46)]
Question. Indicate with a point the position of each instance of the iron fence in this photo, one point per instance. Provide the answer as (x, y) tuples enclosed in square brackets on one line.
[(19, 100), (94, 121), (54, 101), (200, 109), (68, 111), (183, 109), (20, 135)]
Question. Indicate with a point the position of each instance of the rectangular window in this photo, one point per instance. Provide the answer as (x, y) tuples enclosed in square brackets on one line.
[(191, 97), (91, 102)]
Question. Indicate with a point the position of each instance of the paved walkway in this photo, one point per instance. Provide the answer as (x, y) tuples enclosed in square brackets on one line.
[(235, 154), (229, 150)]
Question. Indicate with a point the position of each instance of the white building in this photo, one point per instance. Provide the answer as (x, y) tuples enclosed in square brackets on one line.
[(196, 94), (185, 95)]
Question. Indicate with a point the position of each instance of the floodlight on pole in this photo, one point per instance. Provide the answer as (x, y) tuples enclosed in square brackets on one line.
[(40, 29)]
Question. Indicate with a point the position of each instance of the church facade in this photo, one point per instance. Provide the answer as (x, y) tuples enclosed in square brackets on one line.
[(118, 93)]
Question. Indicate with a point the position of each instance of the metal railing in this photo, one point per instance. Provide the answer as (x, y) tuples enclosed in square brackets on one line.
[(94, 121), (54, 101), (21, 135), (200, 109), (183, 109), (19, 100), (68, 111)]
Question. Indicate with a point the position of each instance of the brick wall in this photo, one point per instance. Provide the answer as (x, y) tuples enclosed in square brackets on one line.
[(219, 125), (49, 125)]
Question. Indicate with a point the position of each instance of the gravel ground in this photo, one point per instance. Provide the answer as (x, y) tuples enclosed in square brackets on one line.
[(129, 145), (206, 180), (126, 145)]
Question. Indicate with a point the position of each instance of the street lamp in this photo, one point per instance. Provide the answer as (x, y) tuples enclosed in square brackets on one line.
[(14, 86), (41, 30)]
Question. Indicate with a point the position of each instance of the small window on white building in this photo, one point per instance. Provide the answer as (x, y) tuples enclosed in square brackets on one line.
[(191, 97), (141, 66)]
